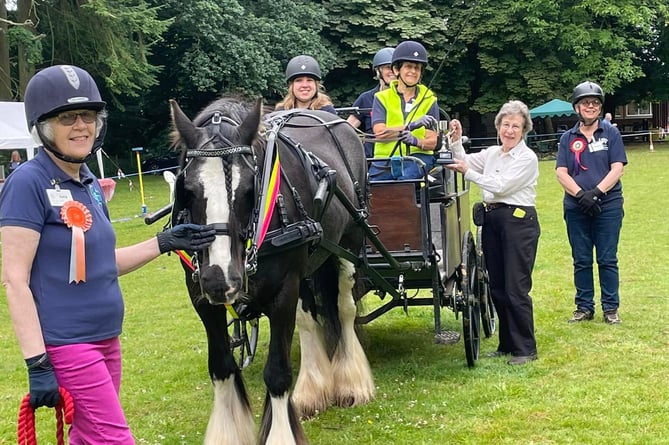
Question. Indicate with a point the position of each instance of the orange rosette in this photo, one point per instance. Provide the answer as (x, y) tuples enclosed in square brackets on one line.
[(78, 218)]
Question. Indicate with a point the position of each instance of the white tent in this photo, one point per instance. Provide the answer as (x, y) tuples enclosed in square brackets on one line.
[(14, 130)]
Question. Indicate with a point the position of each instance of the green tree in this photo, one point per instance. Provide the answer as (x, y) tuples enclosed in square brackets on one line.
[(358, 29), (112, 39), (493, 51), (227, 47)]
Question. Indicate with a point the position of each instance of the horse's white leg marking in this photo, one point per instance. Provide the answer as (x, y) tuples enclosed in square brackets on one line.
[(313, 389), (280, 432), (231, 422), (215, 190), (354, 384)]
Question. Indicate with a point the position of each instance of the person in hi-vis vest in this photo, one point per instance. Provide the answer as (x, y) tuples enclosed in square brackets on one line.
[(404, 117)]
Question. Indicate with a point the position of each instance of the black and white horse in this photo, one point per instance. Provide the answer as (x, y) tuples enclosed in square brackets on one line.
[(278, 229)]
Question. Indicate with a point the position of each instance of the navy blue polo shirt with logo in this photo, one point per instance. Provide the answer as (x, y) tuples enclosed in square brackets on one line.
[(594, 159), (69, 312)]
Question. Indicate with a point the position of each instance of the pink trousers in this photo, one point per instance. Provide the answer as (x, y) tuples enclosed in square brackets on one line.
[(91, 373)]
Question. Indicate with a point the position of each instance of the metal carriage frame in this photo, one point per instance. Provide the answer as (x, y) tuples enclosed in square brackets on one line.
[(425, 242)]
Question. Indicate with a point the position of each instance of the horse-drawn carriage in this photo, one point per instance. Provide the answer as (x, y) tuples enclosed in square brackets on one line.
[(300, 232)]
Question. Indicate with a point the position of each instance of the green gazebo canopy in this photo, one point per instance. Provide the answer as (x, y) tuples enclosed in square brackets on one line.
[(554, 108)]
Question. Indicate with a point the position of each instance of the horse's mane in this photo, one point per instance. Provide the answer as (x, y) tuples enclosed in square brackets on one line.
[(235, 107)]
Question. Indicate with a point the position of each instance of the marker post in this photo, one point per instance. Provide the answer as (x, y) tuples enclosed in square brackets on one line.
[(137, 151)]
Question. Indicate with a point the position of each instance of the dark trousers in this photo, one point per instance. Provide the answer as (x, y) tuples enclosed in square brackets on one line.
[(510, 239), (600, 233)]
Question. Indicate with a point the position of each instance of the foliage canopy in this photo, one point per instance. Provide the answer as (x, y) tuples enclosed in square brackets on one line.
[(482, 53)]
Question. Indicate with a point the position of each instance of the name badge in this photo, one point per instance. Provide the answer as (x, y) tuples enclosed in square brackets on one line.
[(597, 146), (58, 197)]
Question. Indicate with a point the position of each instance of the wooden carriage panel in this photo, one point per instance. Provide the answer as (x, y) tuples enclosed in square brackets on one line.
[(394, 210)]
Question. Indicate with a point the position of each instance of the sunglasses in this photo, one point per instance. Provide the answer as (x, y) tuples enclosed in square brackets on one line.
[(68, 118), (589, 102)]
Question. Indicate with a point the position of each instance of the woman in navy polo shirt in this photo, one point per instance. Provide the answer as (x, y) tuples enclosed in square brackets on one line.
[(590, 162), (60, 262)]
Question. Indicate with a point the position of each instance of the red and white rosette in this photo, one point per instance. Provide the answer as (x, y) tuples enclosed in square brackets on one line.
[(78, 218), (577, 146)]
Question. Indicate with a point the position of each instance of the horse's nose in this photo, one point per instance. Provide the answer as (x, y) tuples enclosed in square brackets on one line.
[(218, 288)]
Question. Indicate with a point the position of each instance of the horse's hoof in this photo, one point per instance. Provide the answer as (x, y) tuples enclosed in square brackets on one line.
[(345, 402)]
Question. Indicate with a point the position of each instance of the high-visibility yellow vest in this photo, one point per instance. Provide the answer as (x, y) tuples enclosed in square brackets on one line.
[(391, 100)]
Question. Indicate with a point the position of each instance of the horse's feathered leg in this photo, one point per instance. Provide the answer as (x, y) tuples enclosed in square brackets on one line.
[(313, 389), (280, 424), (231, 421), (354, 384)]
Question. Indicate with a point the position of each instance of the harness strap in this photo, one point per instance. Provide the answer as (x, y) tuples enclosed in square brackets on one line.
[(296, 234)]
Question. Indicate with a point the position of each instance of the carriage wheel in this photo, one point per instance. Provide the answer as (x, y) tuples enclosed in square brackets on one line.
[(471, 311), (488, 314), (244, 340)]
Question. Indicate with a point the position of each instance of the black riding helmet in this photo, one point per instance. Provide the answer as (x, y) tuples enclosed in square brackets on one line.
[(303, 66), (587, 89), (60, 88), (409, 51)]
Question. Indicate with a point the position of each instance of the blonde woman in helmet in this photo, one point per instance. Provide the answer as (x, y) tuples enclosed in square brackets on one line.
[(303, 75)]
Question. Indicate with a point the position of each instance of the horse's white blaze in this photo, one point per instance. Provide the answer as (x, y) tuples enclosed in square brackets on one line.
[(280, 432), (354, 384), (313, 389), (213, 183), (231, 422)]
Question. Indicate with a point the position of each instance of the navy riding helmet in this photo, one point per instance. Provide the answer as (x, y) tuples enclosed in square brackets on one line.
[(410, 51), (60, 88), (384, 56)]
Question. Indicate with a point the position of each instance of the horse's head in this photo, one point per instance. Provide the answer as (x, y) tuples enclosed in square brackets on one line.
[(217, 186)]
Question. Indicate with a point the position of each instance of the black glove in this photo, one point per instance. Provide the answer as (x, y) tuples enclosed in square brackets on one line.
[(406, 137), (186, 237), (589, 201), (43, 384), (423, 121)]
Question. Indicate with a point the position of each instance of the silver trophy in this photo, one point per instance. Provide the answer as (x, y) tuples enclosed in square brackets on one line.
[(444, 155)]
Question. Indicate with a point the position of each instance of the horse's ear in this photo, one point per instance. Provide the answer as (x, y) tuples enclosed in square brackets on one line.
[(249, 128), (185, 130)]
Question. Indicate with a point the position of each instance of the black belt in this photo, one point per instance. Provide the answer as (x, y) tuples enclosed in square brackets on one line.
[(490, 206)]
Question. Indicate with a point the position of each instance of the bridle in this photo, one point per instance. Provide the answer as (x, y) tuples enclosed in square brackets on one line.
[(252, 234)]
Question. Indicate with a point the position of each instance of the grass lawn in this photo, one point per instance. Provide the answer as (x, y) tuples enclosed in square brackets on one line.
[(593, 383)]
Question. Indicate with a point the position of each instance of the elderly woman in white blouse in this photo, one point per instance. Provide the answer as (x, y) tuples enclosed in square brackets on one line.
[(507, 174)]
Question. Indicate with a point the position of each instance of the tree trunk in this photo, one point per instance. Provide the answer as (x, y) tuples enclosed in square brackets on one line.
[(24, 12), (5, 75)]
